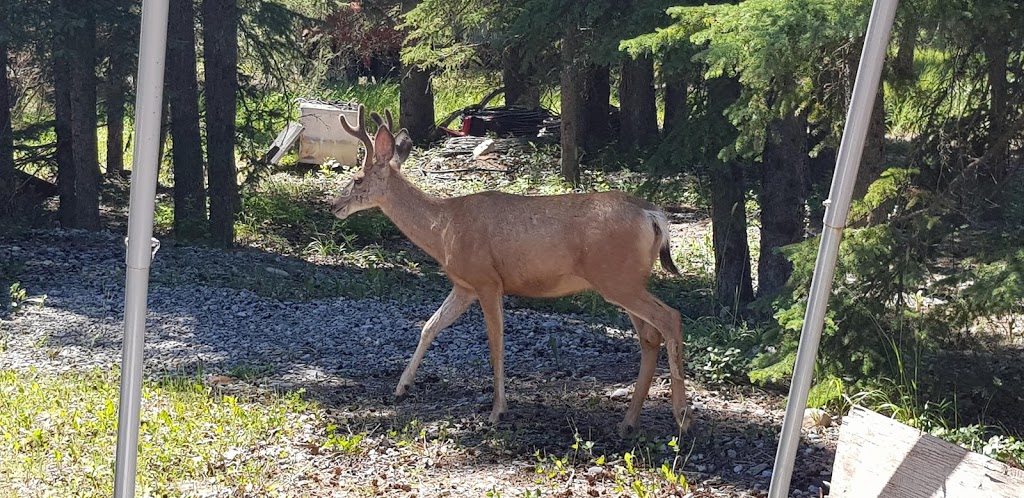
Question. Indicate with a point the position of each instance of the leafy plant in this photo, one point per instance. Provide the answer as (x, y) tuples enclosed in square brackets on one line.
[(345, 443)]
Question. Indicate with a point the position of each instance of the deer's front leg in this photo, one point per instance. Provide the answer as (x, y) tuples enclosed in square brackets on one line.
[(451, 309), (494, 316)]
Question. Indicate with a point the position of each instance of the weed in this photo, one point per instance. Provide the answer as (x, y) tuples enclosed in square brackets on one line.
[(347, 443), (248, 372), (16, 296)]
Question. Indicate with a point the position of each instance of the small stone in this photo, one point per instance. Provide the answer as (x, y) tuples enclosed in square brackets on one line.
[(731, 453), (737, 469), (757, 469), (277, 271)]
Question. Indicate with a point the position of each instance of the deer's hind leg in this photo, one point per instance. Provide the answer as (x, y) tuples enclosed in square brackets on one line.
[(650, 343), (457, 302), (667, 321)]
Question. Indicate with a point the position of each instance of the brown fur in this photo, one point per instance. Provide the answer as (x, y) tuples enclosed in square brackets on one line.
[(492, 243)]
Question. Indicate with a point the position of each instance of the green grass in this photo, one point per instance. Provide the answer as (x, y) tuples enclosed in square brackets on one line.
[(58, 434)]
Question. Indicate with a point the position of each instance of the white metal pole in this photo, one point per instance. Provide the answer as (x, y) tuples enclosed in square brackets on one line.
[(148, 106), (837, 208)]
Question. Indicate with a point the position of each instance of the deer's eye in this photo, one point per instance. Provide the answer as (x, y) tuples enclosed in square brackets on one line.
[(357, 181)]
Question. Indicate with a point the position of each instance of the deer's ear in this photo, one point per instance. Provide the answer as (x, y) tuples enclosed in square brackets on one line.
[(383, 146), (403, 146)]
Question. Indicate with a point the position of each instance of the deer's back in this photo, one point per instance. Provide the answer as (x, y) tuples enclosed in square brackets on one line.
[(549, 245)]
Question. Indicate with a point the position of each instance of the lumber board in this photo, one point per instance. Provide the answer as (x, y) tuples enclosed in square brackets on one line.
[(880, 457)]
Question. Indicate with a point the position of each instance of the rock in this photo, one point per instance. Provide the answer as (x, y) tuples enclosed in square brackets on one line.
[(758, 469), (277, 271), (620, 393), (816, 417), (485, 147)]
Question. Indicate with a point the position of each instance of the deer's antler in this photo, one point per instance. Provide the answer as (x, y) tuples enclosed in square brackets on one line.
[(359, 131), (388, 120)]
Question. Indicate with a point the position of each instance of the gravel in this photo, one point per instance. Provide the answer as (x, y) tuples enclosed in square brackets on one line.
[(328, 340)]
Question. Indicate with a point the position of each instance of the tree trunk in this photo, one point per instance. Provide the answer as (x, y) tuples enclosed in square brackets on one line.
[(783, 196), (733, 286), (183, 96), (997, 57), (62, 127), (596, 129), (637, 102), (820, 170), (114, 109), (6, 138), (85, 151), (903, 64), (416, 103), (677, 108), (220, 41), (872, 160), (572, 86), (517, 75), (415, 97)]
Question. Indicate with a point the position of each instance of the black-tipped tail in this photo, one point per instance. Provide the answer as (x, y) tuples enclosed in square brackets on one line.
[(665, 253), (666, 260)]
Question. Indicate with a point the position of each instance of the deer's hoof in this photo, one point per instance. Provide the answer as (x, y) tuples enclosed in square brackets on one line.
[(497, 417), (401, 393), (685, 420), (627, 431)]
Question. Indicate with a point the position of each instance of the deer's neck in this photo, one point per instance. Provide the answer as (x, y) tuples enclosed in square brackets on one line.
[(418, 215)]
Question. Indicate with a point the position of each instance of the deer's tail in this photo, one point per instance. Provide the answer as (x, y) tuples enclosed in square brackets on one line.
[(661, 234)]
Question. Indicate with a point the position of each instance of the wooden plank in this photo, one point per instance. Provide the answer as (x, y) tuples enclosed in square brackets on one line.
[(878, 456), (284, 141)]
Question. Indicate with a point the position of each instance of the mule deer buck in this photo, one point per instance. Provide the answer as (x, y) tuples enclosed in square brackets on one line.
[(492, 243)]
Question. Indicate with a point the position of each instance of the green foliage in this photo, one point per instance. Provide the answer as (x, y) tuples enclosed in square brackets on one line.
[(719, 351), (346, 443), (17, 298), (783, 53), (448, 34)]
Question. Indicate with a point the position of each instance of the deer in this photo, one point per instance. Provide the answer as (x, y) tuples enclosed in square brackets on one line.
[(491, 244)]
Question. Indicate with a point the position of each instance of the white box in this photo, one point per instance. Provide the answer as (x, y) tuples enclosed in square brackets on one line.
[(323, 137)]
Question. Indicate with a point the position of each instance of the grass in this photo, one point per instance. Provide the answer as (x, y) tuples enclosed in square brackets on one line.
[(57, 436), (59, 432)]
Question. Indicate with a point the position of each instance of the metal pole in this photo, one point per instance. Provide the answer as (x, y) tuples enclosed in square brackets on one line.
[(837, 207), (148, 106)]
